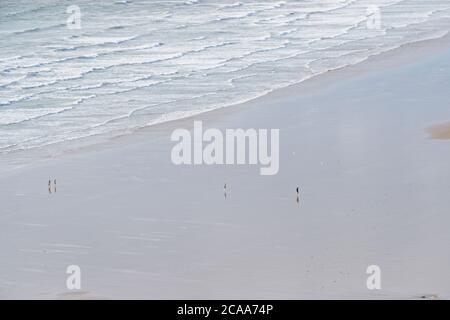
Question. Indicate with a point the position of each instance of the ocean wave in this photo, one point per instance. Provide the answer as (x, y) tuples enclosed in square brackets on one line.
[(38, 29), (8, 102), (4, 84), (231, 5), (20, 116), (99, 42), (116, 27), (80, 57), (8, 59), (190, 2), (126, 2), (24, 12)]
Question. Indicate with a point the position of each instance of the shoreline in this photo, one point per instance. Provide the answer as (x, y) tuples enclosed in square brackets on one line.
[(403, 55)]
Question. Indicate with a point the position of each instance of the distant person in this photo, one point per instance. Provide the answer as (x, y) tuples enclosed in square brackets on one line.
[(54, 183), (225, 190), (50, 186), (298, 194)]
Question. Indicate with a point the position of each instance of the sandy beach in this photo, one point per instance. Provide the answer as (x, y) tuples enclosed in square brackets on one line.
[(374, 190)]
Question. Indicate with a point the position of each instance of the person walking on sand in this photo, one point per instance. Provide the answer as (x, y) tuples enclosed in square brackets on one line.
[(298, 194), (50, 186), (225, 190), (54, 183)]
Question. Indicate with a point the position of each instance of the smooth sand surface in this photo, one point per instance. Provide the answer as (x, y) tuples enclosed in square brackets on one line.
[(374, 191)]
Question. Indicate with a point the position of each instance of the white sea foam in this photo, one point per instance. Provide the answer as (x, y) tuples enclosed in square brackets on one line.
[(137, 63)]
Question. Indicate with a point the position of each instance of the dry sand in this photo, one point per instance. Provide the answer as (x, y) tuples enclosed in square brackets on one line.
[(440, 131)]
